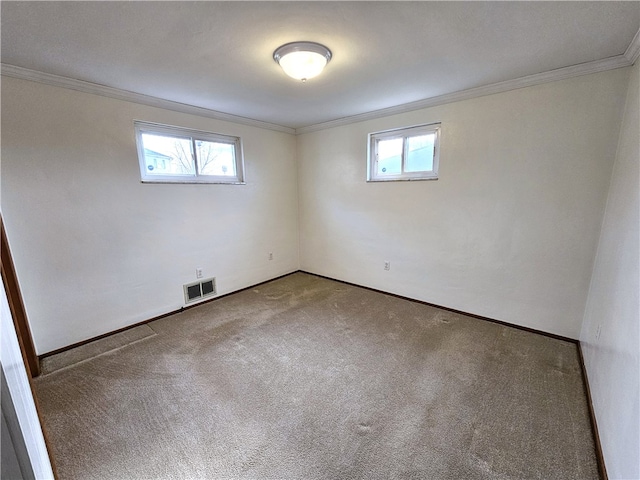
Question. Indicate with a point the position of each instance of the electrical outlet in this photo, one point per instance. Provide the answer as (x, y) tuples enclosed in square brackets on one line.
[(270, 255), (198, 272), (598, 331), (387, 265)]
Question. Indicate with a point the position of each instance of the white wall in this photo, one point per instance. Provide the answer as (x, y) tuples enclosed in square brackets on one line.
[(95, 250), (613, 359), (510, 229), (18, 406)]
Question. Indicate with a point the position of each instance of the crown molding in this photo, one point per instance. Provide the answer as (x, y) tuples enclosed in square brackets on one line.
[(610, 63), (118, 94), (633, 51)]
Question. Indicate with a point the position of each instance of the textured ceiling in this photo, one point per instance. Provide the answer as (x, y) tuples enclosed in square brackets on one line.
[(218, 55)]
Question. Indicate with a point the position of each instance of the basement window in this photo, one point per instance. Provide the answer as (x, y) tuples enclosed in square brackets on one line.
[(404, 154), (179, 155)]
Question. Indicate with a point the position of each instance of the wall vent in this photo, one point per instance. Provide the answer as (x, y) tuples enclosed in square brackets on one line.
[(199, 290)]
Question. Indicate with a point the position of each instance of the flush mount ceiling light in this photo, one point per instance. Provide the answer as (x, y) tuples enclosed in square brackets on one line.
[(302, 60)]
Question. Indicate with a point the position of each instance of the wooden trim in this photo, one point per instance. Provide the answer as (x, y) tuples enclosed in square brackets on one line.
[(594, 426), (144, 322), (45, 433), (453, 310), (23, 332), (598, 446), (602, 469), (187, 307), (16, 305)]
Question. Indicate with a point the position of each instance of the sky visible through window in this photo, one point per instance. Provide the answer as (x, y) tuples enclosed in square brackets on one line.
[(167, 155), (420, 150)]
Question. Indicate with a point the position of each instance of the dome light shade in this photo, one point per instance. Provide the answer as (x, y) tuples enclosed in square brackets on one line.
[(302, 60)]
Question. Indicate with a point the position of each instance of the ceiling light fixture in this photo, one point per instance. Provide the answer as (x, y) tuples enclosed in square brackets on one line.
[(302, 60)]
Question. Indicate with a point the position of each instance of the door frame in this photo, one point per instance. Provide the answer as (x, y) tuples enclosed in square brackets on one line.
[(16, 305)]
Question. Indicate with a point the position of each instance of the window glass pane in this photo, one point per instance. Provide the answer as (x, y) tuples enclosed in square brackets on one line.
[(165, 155), (390, 156), (216, 158), (420, 153)]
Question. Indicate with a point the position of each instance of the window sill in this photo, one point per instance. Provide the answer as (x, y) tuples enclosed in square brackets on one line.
[(382, 180)]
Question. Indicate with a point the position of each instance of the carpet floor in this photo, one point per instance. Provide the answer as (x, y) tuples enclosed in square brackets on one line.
[(308, 378)]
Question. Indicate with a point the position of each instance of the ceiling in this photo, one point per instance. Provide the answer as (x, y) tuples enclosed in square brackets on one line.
[(218, 55)]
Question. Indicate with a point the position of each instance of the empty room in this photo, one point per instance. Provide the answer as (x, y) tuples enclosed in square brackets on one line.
[(320, 240)]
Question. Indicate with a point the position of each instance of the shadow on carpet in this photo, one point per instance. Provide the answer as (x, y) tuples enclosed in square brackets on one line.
[(307, 378)]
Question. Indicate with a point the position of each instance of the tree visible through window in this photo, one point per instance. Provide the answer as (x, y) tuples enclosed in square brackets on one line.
[(173, 154)]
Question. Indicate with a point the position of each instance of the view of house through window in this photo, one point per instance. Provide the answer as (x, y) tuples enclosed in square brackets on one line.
[(404, 154), (173, 154)]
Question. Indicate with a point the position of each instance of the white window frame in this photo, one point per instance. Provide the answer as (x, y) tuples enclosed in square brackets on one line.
[(404, 133), (193, 135)]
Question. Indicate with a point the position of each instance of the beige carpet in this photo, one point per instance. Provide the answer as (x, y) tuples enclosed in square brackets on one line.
[(306, 378)]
